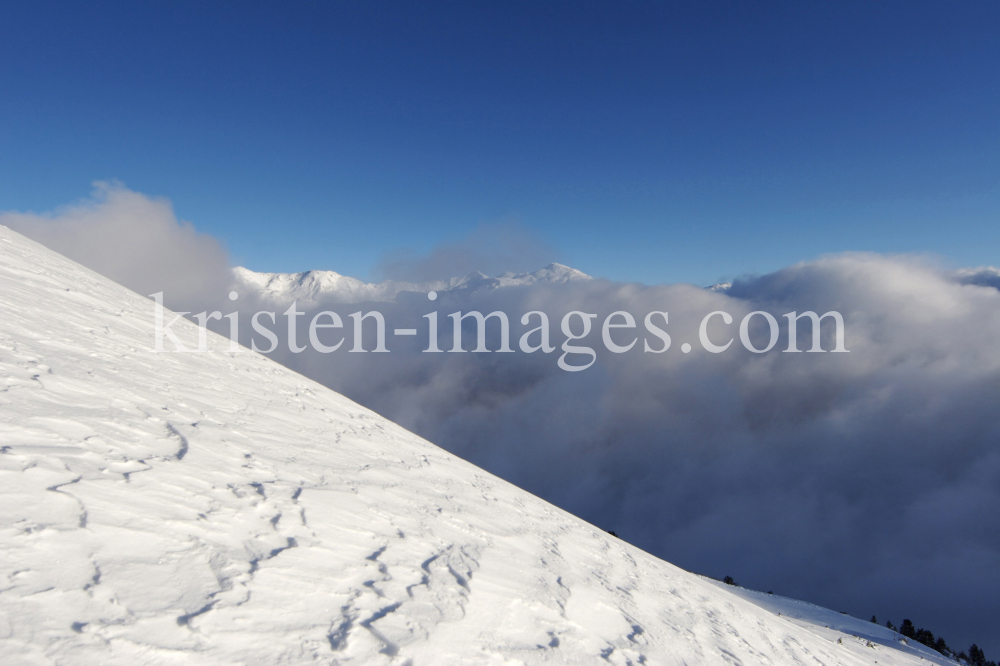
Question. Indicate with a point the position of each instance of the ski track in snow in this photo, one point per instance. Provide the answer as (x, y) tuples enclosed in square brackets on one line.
[(219, 509)]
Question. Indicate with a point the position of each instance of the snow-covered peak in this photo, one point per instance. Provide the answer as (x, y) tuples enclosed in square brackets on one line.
[(984, 276), (555, 273), (314, 286), (328, 286), (217, 508)]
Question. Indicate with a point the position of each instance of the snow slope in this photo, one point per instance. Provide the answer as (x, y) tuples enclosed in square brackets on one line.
[(331, 287), (217, 508), (839, 626)]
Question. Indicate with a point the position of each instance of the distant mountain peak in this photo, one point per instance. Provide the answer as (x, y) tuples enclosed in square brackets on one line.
[(330, 286)]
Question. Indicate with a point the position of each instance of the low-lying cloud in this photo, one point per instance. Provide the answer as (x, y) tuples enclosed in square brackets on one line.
[(868, 482), (135, 240)]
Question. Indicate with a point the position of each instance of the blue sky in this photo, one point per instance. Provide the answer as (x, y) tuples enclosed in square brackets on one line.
[(643, 142)]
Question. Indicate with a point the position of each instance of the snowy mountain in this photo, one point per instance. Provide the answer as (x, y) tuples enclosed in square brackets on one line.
[(984, 276), (331, 287), (555, 273), (217, 508)]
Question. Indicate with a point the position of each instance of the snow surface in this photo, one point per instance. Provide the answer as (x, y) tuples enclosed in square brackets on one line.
[(217, 508), (332, 287), (834, 625)]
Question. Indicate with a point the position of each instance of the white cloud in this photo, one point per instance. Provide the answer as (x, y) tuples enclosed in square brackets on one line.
[(135, 240)]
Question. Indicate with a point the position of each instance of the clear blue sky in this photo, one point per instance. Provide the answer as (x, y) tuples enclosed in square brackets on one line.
[(647, 142)]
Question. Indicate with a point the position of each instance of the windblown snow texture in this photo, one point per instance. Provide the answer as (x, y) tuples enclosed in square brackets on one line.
[(218, 508)]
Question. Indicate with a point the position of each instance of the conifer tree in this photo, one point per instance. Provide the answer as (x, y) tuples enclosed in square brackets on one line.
[(908, 629)]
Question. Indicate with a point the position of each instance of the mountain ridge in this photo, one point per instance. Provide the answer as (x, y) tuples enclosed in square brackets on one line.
[(330, 286)]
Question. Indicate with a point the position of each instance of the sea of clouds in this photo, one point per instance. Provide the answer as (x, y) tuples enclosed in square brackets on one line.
[(867, 482)]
